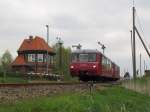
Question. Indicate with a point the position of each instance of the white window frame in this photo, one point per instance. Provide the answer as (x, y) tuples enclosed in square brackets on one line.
[(40, 56), (31, 58)]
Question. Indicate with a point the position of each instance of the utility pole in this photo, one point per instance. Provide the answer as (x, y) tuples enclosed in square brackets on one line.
[(140, 65), (144, 66), (102, 46), (47, 57), (134, 46)]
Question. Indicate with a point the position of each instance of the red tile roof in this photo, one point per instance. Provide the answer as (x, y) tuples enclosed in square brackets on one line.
[(19, 60), (35, 44)]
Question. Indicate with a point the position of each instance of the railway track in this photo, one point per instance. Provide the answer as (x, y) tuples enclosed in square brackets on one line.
[(58, 83), (41, 83)]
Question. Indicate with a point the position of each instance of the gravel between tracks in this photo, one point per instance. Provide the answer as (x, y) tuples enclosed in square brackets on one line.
[(13, 92)]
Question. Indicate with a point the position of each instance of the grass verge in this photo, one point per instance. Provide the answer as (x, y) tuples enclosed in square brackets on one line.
[(141, 85), (13, 80), (112, 99)]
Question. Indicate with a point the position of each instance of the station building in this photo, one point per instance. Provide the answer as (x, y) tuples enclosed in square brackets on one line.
[(33, 55)]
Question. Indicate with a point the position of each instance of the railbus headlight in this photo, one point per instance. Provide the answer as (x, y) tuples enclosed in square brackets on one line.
[(94, 66), (71, 66)]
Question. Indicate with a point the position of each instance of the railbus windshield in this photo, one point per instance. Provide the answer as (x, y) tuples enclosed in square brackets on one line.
[(83, 57)]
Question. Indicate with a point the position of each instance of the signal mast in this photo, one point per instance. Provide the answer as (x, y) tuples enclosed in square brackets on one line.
[(78, 47), (102, 46)]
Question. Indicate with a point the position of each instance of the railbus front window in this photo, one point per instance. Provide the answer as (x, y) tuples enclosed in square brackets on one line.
[(87, 57), (83, 57), (92, 57)]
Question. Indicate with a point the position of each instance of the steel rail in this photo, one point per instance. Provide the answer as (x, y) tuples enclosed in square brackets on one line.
[(58, 83)]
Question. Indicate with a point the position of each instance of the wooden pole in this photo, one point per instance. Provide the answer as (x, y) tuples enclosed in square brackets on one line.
[(134, 46)]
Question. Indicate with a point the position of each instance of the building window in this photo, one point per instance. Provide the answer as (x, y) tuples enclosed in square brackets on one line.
[(31, 57), (40, 57)]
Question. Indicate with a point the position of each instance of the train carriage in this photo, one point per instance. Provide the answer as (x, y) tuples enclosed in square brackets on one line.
[(93, 65)]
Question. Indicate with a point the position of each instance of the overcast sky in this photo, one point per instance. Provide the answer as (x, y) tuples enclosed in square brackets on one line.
[(76, 21)]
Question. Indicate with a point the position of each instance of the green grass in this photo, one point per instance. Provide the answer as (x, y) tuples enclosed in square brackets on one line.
[(113, 99), (13, 80)]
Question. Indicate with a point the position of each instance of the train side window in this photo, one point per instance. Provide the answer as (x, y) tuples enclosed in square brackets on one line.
[(116, 68), (104, 62), (108, 64)]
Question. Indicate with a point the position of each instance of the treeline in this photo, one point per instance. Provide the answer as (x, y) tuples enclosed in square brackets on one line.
[(6, 60)]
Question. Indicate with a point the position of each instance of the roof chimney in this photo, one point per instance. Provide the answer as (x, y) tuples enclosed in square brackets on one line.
[(31, 37)]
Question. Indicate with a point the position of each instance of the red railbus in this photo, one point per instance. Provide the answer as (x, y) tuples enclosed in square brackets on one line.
[(93, 65)]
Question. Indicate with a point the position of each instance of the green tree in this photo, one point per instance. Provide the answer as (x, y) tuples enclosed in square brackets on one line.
[(6, 60), (66, 57)]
